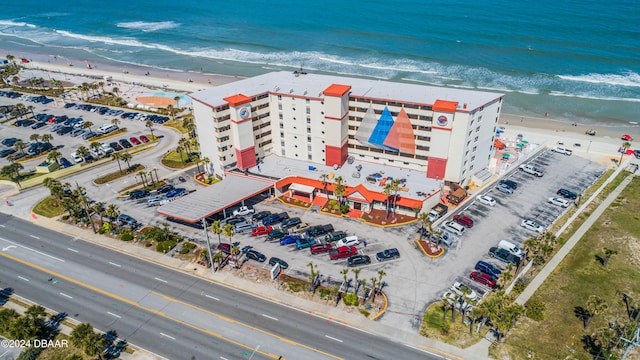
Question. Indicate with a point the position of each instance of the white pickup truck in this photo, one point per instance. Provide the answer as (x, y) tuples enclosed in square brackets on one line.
[(243, 211), (530, 169), (562, 150)]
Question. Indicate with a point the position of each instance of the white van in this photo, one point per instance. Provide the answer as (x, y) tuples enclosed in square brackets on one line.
[(511, 247), (454, 227), (107, 128), (242, 227)]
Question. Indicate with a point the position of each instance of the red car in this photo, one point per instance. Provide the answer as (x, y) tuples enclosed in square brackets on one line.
[(484, 278), (261, 230), (463, 220), (134, 141), (320, 248), (144, 139)]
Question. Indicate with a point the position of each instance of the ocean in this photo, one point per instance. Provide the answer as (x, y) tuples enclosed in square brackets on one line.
[(578, 60)]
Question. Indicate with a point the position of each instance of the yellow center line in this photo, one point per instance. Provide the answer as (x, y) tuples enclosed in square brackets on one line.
[(159, 313)]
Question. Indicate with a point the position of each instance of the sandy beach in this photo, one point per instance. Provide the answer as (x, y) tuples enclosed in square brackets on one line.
[(135, 80)]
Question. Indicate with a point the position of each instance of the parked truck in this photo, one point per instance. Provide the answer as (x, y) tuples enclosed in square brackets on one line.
[(457, 196), (342, 252), (530, 169), (437, 212)]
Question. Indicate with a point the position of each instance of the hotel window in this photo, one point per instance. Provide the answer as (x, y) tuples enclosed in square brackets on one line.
[(309, 147), (308, 120), (279, 106), (308, 110), (282, 135), (280, 116), (308, 138), (470, 132), (310, 157), (309, 131), (281, 126), (279, 97), (308, 101), (282, 152), (282, 143)]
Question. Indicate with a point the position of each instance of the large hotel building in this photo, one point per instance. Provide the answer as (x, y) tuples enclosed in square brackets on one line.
[(445, 133)]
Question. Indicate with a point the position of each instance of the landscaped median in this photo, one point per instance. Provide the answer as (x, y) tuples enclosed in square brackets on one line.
[(119, 174), (430, 249)]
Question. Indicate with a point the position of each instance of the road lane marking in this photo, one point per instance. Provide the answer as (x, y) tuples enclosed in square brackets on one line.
[(174, 319), (332, 338), (114, 264), (35, 237), (165, 335), (67, 296), (72, 250), (164, 281), (28, 248), (115, 315), (22, 278), (2, 226), (269, 317), (212, 297), (442, 355)]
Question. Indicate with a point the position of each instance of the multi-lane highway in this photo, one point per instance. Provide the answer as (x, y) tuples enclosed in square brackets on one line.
[(173, 314)]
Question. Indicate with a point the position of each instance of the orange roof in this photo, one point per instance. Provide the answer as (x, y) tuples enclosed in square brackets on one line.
[(445, 106), (336, 90), (237, 99)]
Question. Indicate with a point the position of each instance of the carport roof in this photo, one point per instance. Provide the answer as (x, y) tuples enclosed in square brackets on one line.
[(214, 198)]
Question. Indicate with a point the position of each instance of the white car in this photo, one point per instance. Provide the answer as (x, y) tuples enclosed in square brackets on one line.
[(559, 201), (530, 169), (348, 241), (562, 150), (487, 200), (532, 225), (243, 211), (77, 158), (463, 290)]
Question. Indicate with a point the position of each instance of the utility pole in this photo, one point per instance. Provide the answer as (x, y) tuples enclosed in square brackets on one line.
[(206, 236), (633, 342)]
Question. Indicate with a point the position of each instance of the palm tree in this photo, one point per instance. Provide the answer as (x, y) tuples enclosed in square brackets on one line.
[(117, 157), (12, 171), (54, 155), (387, 192), (217, 257), (206, 161), (155, 170), (625, 145), (101, 85), (190, 126), (177, 100), (126, 157), (356, 274), (381, 274), (12, 59), (112, 212), (82, 151), (116, 91), (374, 283), (20, 146), (34, 137), (47, 138), (170, 110), (149, 124), (312, 275), (115, 121), (95, 146), (229, 230), (186, 144), (595, 306), (99, 209), (30, 109), (345, 274), (143, 177), (180, 150), (424, 220), (608, 253), (87, 125), (216, 228), (151, 182), (324, 178), (339, 190)]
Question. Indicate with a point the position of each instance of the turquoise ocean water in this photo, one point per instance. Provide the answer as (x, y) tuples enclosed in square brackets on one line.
[(575, 59)]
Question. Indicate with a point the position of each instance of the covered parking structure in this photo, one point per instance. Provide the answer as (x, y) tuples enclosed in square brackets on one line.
[(218, 197)]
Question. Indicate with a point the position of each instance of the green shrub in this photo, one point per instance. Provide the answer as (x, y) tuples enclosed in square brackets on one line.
[(351, 299), (535, 309), (344, 208), (324, 293), (165, 246), (365, 313), (149, 244), (126, 235)]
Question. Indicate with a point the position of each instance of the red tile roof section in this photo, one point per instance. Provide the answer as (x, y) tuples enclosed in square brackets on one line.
[(369, 195), (445, 106), (237, 99), (336, 90)]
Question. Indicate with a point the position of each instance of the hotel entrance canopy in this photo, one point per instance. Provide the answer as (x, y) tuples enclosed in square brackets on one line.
[(215, 198)]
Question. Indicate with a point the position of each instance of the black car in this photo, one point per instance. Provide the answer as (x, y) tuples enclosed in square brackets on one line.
[(38, 125), (69, 105), (276, 234), (356, 260), (291, 222), (6, 152), (567, 194), (388, 254), (261, 215), (256, 255), (164, 189), (138, 194), (275, 218), (125, 143), (275, 260), (125, 219), (65, 130), (510, 183), (503, 255), (65, 163), (335, 236), (10, 141), (115, 146), (319, 230)]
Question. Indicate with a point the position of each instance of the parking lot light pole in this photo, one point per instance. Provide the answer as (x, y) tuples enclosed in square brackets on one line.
[(206, 236)]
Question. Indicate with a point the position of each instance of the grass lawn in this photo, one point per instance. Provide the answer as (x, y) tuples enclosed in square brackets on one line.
[(172, 160), (45, 208), (176, 124), (561, 334), (117, 174)]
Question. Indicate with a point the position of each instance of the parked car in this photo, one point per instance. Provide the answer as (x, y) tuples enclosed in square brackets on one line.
[(356, 260), (134, 140), (530, 169), (256, 255), (559, 201), (6, 152), (90, 134), (388, 254), (224, 248), (300, 228), (510, 183), (304, 243), (335, 236), (488, 268), (76, 158), (65, 163), (38, 125), (165, 189), (261, 230), (76, 132), (504, 188), (283, 264), (125, 219), (484, 278), (276, 234), (532, 225), (138, 194), (503, 255), (275, 218), (291, 222), (320, 248), (567, 194), (348, 241), (243, 211), (10, 141), (144, 139), (115, 146), (463, 220), (289, 239), (125, 144), (261, 215), (463, 290), (319, 230), (176, 192), (562, 150)]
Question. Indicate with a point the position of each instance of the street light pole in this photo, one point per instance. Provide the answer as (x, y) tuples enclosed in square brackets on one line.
[(206, 236)]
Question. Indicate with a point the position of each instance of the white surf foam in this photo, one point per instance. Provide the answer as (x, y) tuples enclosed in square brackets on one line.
[(591, 97), (10, 23), (626, 79), (148, 26)]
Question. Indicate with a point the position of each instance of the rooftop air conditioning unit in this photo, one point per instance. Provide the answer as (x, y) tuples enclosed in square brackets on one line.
[(291, 91)]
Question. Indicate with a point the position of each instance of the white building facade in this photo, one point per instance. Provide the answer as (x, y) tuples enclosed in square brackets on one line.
[(446, 133)]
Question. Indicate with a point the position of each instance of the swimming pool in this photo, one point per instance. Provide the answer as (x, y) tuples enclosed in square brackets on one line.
[(183, 101)]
